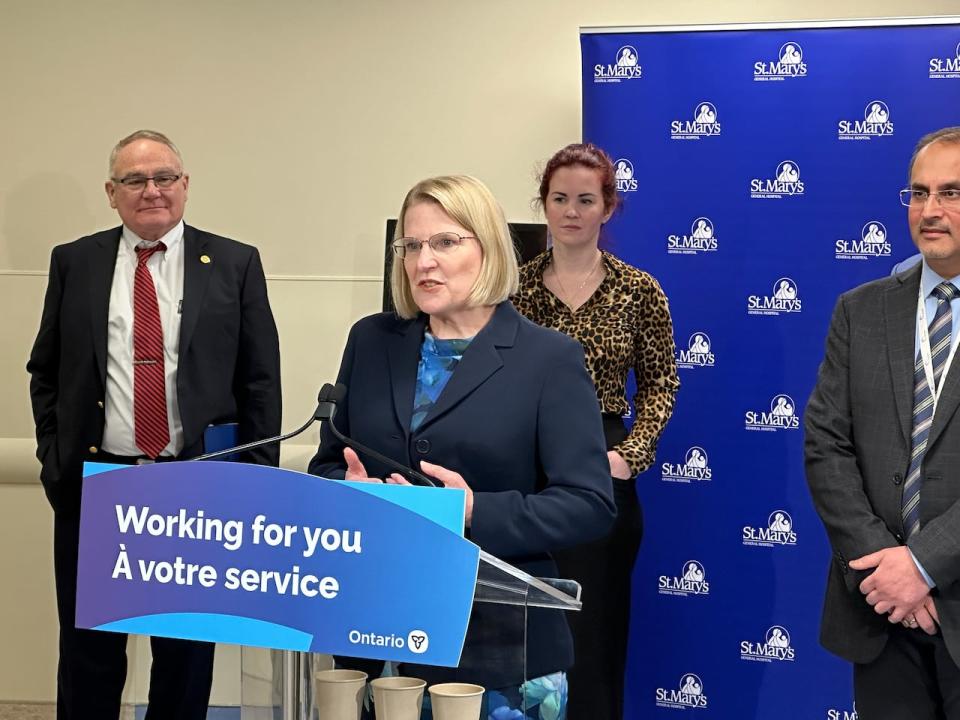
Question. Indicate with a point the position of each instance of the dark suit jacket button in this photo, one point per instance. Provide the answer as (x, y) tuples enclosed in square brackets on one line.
[(100, 404), (423, 446), (897, 478)]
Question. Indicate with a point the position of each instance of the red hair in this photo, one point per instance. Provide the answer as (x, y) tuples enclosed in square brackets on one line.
[(589, 156)]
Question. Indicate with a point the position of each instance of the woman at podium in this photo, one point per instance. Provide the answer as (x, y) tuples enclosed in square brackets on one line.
[(620, 316), (460, 386)]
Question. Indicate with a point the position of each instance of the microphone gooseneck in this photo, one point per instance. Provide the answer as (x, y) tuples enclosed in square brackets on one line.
[(325, 392), (337, 394)]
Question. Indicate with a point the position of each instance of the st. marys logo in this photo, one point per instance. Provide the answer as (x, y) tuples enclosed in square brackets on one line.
[(784, 299), (774, 648), (689, 694), (699, 352), (781, 416), (946, 68), (626, 66), (623, 172), (778, 531), (873, 243), (692, 580), (842, 714), (786, 182), (876, 123), (694, 468), (789, 64), (704, 124), (701, 239)]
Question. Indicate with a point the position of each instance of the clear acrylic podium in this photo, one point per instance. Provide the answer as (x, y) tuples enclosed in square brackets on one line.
[(278, 685)]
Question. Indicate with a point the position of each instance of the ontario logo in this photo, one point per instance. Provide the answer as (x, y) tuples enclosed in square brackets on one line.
[(774, 648), (873, 243), (779, 531), (699, 352), (789, 64), (691, 581), (688, 695), (702, 238), (626, 66), (623, 172), (785, 299), (416, 641), (785, 183), (946, 68), (704, 124), (694, 468), (876, 123), (781, 416)]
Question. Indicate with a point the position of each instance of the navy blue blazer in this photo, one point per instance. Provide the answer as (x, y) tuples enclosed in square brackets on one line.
[(519, 419)]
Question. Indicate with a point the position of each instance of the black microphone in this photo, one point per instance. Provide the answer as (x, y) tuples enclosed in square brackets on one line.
[(321, 413), (327, 401), (328, 406)]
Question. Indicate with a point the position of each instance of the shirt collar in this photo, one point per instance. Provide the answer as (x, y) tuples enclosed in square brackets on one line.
[(929, 279), (173, 236)]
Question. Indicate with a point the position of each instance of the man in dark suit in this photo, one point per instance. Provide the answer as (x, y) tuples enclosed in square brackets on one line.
[(883, 462), (150, 333)]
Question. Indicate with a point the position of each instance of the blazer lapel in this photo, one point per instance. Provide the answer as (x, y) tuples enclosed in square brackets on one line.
[(481, 360), (900, 311), (100, 271), (404, 355), (196, 277)]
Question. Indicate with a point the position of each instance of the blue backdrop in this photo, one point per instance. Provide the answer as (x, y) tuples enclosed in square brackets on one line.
[(759, 168)]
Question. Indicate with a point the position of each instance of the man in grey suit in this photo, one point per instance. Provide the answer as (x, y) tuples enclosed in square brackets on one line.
[(883, 462)]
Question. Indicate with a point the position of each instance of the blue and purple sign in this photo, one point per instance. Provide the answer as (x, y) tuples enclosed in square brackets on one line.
[(254, 555)]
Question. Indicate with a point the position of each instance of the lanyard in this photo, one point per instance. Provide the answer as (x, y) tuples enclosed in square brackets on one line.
[(925, 349)]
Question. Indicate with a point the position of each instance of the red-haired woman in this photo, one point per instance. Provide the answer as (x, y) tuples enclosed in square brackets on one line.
[(620, 316)]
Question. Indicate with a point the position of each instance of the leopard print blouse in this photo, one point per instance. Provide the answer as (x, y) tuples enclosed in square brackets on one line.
[(625, 324)]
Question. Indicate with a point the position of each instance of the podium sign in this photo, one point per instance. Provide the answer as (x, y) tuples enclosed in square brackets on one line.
[(260, 556)]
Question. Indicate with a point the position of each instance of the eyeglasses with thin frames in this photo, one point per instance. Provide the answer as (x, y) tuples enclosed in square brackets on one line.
[(138, 183), (910, 197), (442, 244)]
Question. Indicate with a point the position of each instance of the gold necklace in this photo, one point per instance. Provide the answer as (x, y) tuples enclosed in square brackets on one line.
[(571, 299)]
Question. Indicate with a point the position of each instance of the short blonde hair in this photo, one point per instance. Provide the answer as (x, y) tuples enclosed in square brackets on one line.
[(471, 204)]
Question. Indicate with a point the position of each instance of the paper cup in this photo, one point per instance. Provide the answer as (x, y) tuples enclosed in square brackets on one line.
[(397, 698), (338, 694), (456, 701)]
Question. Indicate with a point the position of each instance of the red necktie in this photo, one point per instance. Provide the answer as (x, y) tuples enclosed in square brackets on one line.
[(151, 431)]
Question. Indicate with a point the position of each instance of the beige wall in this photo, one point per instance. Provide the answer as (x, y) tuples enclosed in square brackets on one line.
[(303, 122)]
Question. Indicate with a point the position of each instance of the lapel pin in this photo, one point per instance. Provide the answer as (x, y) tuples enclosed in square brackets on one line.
[(205, 259)]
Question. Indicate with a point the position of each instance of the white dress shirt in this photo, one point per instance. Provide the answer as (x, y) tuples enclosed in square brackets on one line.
[(167, 271)]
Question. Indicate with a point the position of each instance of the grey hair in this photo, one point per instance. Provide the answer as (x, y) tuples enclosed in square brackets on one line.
[(143, 135)]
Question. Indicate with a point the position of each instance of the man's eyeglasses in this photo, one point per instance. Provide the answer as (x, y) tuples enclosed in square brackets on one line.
[(441, 243), (913, 198), (137, 183)]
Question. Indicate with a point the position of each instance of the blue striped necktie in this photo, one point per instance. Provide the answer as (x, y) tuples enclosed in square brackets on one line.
[(939, 335)]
